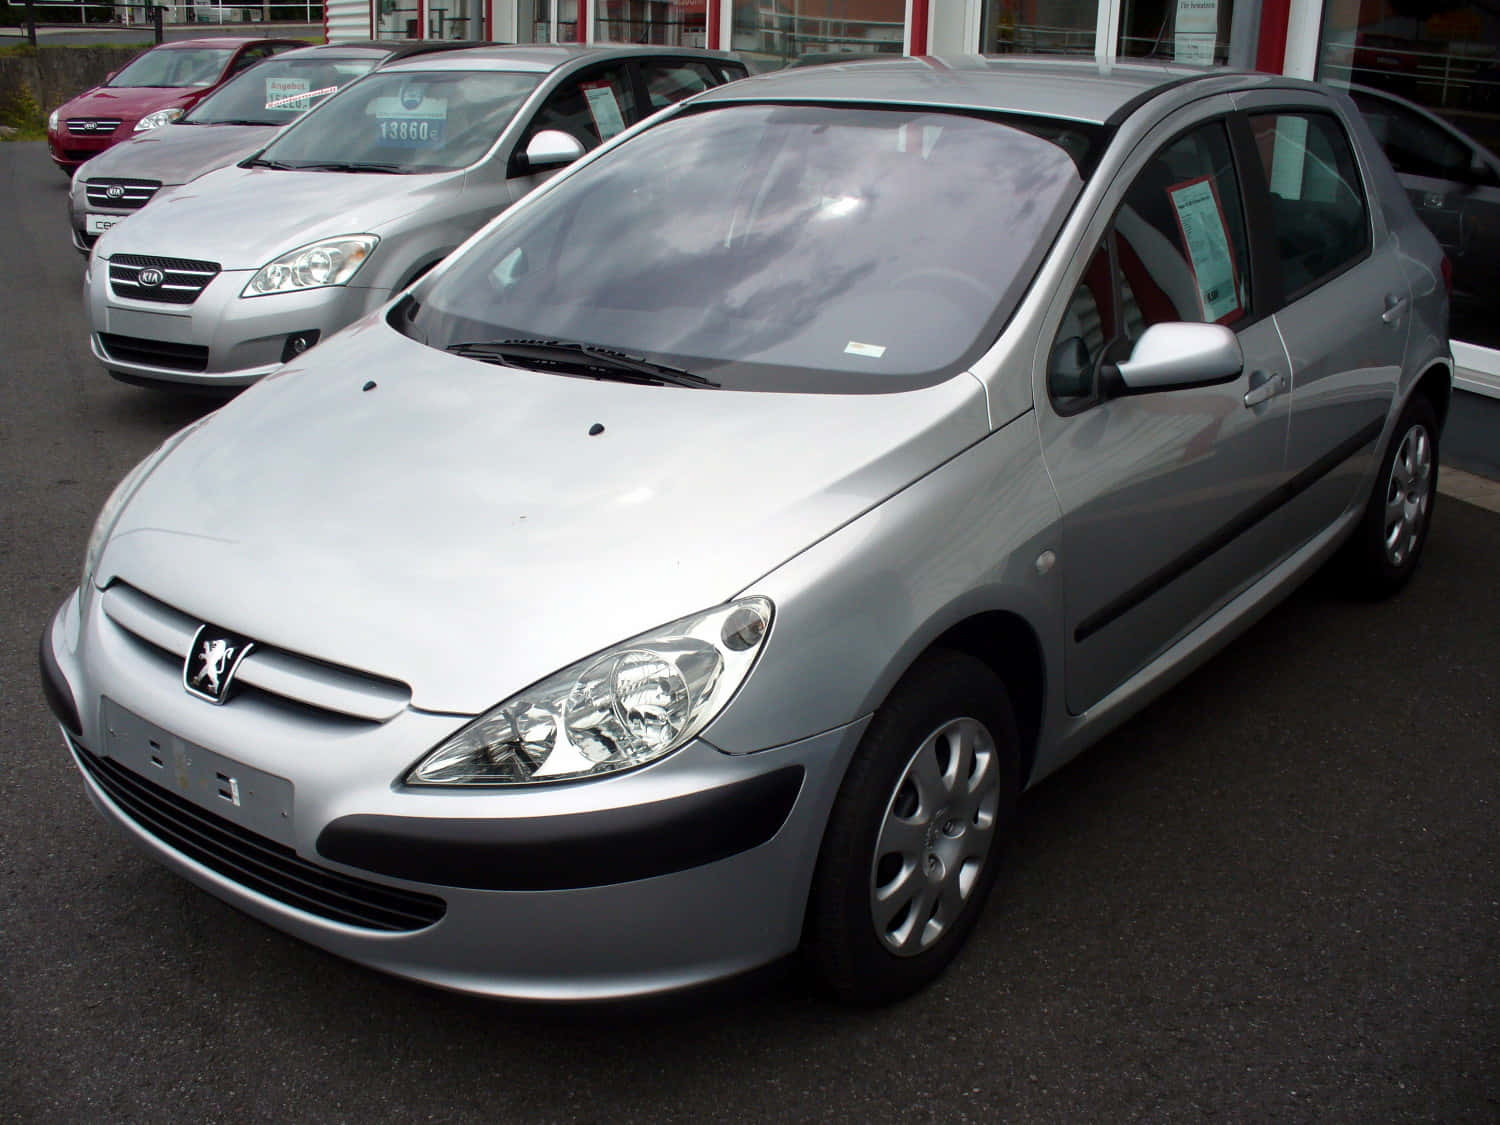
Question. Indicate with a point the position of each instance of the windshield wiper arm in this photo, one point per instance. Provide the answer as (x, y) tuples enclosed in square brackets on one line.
[(583, 359), (346, 166), (228, 121), (280, 166)]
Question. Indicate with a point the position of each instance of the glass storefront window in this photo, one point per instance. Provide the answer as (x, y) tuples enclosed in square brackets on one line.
[(1427, 79), (772, 33), (1184, 31), (397, 19), (533, 21), (1050, 27), (683, 23)]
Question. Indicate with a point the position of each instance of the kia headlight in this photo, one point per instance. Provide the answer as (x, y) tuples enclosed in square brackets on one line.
[(52, 121), (332, 261), (624, 707), (158, 119)]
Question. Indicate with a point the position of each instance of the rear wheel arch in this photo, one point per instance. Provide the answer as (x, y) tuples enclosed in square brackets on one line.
[(1436, 385)]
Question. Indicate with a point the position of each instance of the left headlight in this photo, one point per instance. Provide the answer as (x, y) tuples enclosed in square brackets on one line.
[(624, 707), (157, 120), (330, 262)]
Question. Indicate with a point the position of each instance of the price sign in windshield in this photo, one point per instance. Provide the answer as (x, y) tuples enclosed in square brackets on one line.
[(411, 120)]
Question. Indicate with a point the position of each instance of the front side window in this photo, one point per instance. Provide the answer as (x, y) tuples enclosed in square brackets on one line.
[(175, 67), (592, 108), (279, 91), (404, 121), (1175, 252), (791, 248), (1317, 202)]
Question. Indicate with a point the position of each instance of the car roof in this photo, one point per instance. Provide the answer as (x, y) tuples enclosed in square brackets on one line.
[(1044, 86), (365, 50), (230, 41), (541, 58)]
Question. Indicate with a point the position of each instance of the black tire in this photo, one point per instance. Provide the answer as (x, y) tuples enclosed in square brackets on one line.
[(850, 952), (1381, 557)]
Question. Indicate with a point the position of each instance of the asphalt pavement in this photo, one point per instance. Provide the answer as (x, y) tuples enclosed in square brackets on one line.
[(1275, 895)]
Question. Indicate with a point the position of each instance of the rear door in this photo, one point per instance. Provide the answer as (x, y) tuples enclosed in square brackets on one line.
[(1343, 304), (1166, 497)]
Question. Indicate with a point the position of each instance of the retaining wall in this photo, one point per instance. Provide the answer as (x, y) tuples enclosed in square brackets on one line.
[(55, 74)]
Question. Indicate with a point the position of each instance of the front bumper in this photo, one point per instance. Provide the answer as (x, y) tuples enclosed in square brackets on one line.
[(221, 339), (694, 868)]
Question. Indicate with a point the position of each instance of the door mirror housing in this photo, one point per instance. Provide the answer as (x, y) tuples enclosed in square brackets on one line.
[(552, 148), (1172, 356)]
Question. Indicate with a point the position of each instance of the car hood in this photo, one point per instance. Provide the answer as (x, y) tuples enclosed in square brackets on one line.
[(129, 103), (244, 217), (457, 527), (175, 154)]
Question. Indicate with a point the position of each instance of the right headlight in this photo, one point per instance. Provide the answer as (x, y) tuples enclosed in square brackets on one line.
[(629, 705), (52, 120)]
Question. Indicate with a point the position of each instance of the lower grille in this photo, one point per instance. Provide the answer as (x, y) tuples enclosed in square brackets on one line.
[(255, 862), (121, 195), (155, 353)]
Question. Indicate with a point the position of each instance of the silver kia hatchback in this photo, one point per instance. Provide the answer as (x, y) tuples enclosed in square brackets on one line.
[(699, 564), (224, 279), (228, 125)]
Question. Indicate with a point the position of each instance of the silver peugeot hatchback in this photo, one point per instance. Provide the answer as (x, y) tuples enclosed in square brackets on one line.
[(224, 279), (700, 563)]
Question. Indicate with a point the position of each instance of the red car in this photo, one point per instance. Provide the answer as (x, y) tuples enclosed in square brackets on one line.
[(153, 88)]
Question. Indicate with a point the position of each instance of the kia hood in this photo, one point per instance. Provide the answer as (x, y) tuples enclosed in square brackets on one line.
[(175, 154), (129, 103), (457, 526), (244, 217)]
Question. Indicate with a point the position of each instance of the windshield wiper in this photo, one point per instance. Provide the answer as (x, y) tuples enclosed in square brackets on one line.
[(230, 121), (580, 359), (261, 162), (347, 166)]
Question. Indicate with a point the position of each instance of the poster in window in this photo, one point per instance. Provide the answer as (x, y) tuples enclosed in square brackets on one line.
[(605, 108), (1200, 217)]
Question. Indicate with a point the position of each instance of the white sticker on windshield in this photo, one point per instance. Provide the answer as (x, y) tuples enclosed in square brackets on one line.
[(287, 93), (605, 108), (1207, 240), (872, 351), (410, 119)]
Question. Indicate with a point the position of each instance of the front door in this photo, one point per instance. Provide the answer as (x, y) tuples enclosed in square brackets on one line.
[(1164, 495)]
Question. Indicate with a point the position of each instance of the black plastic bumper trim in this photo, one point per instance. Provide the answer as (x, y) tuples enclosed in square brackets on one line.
[(55, 686), (554, 853)]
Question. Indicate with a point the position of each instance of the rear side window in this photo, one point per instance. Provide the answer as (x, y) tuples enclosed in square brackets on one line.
[(1317, 202), (671, 81)]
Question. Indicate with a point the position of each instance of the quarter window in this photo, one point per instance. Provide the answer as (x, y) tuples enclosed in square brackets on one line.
[(1317, 204), (1175, 252), (669, 82)]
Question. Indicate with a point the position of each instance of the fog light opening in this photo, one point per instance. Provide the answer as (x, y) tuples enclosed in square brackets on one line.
[(297, 343)]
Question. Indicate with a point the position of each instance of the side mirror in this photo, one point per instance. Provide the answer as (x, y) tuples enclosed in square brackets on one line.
[(552, 148), (110, 77), (1171, 356)]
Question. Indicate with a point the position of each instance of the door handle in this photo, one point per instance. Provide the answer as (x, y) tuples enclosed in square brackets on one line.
[(1394, 307), (1264, 392)]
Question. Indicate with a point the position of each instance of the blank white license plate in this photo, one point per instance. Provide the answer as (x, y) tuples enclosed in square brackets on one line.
[(259, 801), (98, 224)]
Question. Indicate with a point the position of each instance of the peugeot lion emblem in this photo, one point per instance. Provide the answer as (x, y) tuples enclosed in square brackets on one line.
[(114, 191), (212, 661), (150, 279)]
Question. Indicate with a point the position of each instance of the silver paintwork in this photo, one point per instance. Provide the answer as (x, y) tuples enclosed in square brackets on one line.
[(938, 827), (457, 533), (1177, 355), (243, 218)]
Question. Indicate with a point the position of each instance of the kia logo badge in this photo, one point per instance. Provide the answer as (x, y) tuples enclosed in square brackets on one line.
[(114, 191), (150, 279)]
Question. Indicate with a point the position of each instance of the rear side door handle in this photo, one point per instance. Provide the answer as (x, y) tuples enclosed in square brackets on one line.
[(1394, 307), (1264, 392)]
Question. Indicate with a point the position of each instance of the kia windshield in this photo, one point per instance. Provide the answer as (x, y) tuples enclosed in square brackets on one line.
[(404, 121), (277, 91), (765, 247), (175, 67)]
